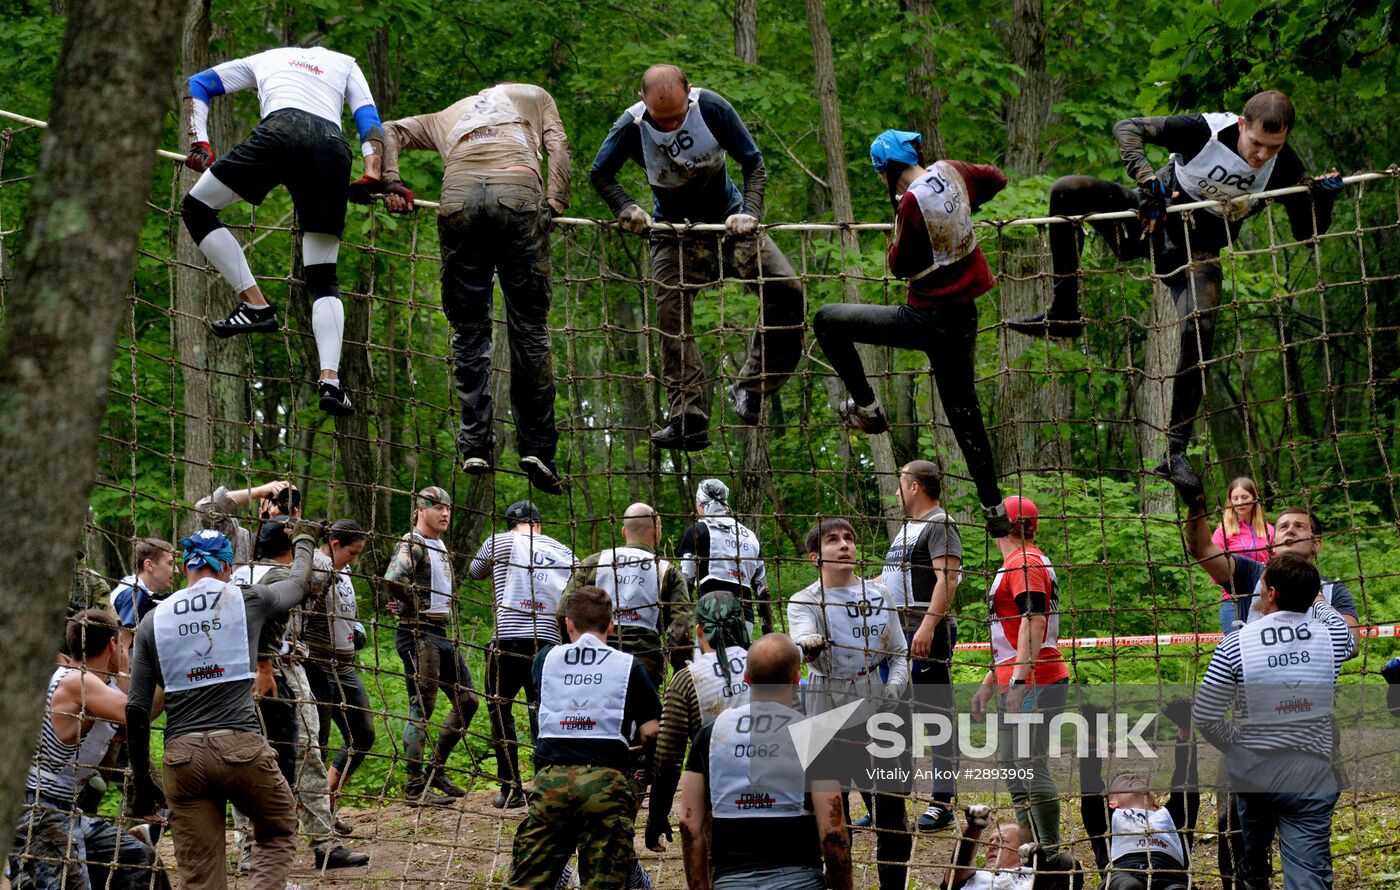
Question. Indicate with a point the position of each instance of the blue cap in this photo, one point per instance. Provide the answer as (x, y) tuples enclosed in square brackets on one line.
[(895, 145)]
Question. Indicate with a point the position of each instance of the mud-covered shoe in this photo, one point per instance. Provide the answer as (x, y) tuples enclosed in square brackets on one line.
[(542, 474), (747, 404), (419, 794), (869, 419), (1043, 324)]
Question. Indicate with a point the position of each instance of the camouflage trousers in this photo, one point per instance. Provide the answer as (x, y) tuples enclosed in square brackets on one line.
[(588, 808), (310, 788)]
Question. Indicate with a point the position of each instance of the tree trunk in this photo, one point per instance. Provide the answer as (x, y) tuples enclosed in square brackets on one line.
[(1031, 401), (1026, 112), (385, 72), (64, 306), (923, 78), (746, 31), (834, 140), (1155, 395), (214, 381), (1028, 408)]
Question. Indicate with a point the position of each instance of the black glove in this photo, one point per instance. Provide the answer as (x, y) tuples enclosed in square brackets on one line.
[(365, 189), (145, 798), (1152, 202), (201, 157), (1328, 183), (654, 830), (1183, 478)]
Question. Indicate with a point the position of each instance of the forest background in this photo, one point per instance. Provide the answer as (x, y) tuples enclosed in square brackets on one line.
[(1033, 87)]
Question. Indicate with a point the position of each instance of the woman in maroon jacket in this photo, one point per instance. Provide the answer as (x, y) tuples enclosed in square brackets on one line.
[(935, 248)]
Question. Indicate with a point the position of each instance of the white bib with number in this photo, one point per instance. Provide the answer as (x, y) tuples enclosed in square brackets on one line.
[(1216, 172), (754, 769), (947, 209), (583, 691), (539, 570), (686, 154), (440, 595), (712, 691), (1289, 668), (486, 111), (733, 556), (632, 577), (202, 636), (857, 621), (1138, 830), (345, 610)]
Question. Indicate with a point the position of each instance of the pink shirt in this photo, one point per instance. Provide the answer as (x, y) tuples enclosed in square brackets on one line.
[(1246, 542)]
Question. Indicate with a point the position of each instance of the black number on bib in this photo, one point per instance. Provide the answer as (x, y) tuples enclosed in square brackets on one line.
[(197, 603), (763, 723), (1270, 636), (586, 657)]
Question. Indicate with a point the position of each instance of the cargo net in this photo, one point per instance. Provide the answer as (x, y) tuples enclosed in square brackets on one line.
[(1300, 395)]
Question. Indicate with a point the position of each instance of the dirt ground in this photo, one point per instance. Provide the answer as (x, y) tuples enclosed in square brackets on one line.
[(468, 846)]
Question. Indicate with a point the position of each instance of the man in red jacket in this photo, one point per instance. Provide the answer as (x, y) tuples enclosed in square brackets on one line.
[(935, 248)]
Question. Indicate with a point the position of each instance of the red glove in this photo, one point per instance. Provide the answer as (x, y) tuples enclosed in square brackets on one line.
[(201, 157), (365, 189)]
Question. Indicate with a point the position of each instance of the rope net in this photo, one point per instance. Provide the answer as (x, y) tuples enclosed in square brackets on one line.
[(1301, 395)]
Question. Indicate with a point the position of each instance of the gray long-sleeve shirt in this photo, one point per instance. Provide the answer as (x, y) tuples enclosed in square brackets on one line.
[(225, 705)]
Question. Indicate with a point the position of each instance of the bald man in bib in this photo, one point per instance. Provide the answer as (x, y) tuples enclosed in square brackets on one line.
[(682, 136)]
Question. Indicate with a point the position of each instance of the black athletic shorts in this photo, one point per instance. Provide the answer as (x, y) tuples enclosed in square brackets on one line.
[(305, 153)]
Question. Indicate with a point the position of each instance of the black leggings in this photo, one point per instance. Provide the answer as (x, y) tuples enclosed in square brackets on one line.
[(948, 335), (1188, 262), (893, 841), (343, 699), (279, 719), (509, 665)]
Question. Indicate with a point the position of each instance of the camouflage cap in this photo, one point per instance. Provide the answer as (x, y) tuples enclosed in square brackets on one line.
[(432, 496), (721, 618)]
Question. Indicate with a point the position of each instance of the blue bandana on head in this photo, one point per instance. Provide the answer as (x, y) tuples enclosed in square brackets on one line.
[(207, 548), (895, 145)]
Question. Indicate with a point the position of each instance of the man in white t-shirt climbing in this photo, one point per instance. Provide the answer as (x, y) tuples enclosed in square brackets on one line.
[(298, 144)]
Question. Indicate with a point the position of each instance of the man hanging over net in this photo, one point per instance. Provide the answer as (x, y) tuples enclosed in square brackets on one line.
[(297, 144), (682, 136), (1214, 156), (494, 220), (935, 248)]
